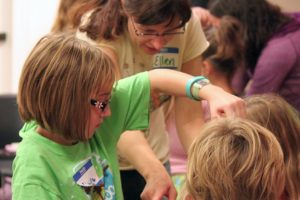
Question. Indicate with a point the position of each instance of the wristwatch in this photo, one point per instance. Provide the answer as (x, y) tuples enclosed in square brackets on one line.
[(197, 87)]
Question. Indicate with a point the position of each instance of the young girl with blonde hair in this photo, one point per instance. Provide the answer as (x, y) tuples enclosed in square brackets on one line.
[(74, 115)]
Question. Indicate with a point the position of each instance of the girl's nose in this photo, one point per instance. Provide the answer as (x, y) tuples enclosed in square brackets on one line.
[(106, 112)]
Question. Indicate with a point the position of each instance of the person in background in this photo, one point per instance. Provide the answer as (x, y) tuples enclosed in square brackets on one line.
[(277, 115), (199, 8), (63, 20), (199, 3), (272, 58), (219, 64), (235, 159), (145, 35), (75, 114), (225, 53)]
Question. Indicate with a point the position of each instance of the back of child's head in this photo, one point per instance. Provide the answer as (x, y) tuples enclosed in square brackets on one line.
[(63, 21), (277, 115), (235, 159), (225, 51), (57, 81)]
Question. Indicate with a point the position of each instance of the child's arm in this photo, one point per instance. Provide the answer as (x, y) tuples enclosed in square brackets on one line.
[(175, 83)]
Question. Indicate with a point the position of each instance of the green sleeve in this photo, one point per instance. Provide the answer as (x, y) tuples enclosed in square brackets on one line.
[(136, 91), (32, 192), (129, 105)]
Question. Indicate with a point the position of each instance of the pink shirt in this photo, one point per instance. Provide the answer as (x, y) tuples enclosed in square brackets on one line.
[(178, 157)]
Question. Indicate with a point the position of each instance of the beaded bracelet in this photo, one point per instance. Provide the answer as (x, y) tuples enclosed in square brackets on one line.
[(194, 85)]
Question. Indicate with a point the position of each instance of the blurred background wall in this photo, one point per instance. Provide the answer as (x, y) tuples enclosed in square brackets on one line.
[(288, 5), (23, 23)]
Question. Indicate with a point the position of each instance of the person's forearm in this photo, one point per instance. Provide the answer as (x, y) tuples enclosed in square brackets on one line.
[(135, 148), (189, 120), (174, 83), (145, 160), (169, 81)]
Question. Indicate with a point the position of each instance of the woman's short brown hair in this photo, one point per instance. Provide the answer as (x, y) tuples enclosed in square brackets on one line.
[(58, 78)]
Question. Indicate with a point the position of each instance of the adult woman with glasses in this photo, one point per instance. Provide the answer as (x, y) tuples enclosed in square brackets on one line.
[(145, 35)]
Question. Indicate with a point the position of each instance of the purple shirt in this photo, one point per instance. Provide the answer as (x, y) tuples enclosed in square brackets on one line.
[(278, 67)]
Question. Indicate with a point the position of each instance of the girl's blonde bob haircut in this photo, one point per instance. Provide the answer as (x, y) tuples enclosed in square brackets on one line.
[(235, 159), (57, 81)]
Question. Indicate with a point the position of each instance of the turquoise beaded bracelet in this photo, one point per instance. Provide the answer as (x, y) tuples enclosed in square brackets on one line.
[(192, 87)]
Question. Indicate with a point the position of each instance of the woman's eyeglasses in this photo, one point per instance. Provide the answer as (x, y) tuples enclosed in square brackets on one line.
[(152, 35), (100, 104)]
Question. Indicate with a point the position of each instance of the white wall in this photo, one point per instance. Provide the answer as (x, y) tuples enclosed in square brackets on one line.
[(5, 46), (288, 5), (25, 21)]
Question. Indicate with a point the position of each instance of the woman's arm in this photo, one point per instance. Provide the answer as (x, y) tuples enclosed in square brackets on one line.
[(135, 148), (188, 113), (189, 119)]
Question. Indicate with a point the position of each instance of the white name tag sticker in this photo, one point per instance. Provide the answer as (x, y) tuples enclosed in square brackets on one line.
[(166, 58), (87, 176)]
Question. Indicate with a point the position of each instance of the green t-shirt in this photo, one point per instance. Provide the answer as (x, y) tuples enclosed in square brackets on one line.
[(44, 169)]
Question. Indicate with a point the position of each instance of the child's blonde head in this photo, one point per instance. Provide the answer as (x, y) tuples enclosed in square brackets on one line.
[(274, 113), (235, 159)]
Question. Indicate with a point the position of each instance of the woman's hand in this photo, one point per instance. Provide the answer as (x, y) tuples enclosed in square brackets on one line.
[(159, 186)]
